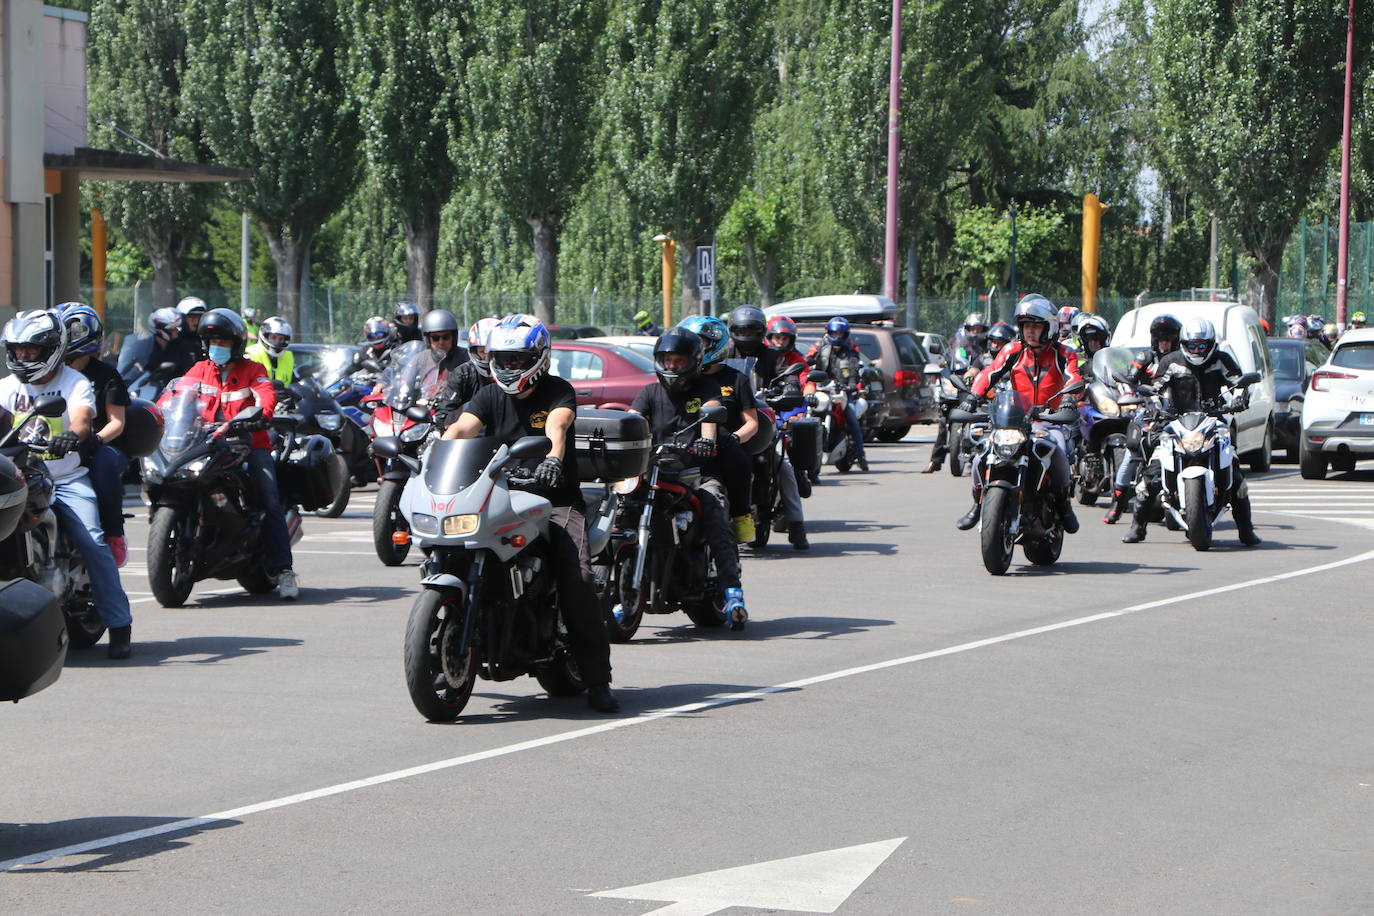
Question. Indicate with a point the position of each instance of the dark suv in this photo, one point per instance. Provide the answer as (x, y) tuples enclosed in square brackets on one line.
[(908, 392)]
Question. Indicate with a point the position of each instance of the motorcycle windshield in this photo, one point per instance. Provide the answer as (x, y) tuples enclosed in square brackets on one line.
[(1009, 409), (335, 364), (1113, 363), (184, 407), (453, 465), (413, 377), (312, 398)]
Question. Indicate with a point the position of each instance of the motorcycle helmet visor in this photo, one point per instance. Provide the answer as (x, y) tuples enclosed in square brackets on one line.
[(514, 360)]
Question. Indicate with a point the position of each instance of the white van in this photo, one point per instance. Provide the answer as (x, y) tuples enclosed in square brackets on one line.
[(1240, 333)]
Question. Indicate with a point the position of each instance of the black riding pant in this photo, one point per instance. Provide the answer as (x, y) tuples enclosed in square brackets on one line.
[(735, 468), (577, 601)]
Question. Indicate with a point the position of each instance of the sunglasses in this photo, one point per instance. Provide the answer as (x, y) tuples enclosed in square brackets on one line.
[(446, 335)]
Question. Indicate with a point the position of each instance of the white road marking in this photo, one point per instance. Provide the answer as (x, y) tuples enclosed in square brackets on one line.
[(654, 716), (816, 883)]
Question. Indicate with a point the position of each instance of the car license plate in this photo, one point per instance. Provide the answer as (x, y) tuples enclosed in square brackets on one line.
[(1367, 419)]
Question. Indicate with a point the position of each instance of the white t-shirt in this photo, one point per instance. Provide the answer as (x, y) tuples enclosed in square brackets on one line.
[(17, 399)]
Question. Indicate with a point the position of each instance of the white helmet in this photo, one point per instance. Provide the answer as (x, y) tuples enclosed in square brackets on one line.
[(479, 335), (274, 326), (35, 328), (1198, 340), (192, 305), (165, 322), (518, 349), (1035, 307)]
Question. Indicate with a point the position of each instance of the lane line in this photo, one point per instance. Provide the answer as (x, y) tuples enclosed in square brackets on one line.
[(644, 718)]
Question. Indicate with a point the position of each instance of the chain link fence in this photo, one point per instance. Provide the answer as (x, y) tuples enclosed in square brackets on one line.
[(1307, 279)]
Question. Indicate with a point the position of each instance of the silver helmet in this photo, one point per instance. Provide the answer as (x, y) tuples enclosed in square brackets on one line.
[(1198, 341)]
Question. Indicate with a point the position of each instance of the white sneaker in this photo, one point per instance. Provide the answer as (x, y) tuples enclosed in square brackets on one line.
[(288, 585)]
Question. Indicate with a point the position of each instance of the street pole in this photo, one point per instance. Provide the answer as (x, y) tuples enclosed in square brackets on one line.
[(1014, 296), (244, 251), (669, 276), (894, 94), (1214, 274), (1343, 245)]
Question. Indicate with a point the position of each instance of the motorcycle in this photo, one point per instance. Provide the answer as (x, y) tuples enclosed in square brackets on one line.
[(399, 410), (832, 396), (1018, 506), (1197, 460), (488, 604), (1104, 422), (205, 522), (777, 405), (321, 415), (662, 563)]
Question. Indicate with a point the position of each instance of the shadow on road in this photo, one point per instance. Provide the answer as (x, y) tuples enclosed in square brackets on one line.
[(847, 525), (1097, 568), (312, 596), (214, 649), (781, 628), (19, 840), (633, 701)]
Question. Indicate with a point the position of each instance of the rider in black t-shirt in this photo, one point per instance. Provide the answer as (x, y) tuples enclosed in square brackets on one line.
[(526, 401)]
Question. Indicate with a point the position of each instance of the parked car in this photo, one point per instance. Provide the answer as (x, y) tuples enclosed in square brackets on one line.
[(639, 343), (1338, 408), (909, 378), (935, 344), (601, 374), (1240, 334), (574, 331), (1294, 362)]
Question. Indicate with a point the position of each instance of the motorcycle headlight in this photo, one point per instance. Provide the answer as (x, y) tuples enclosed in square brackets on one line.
[(1004, 438), (152, 471), (424, 524), (415, 433), (329, 420), (193, 468), (625, 487), (1193, 441), (459, 524)]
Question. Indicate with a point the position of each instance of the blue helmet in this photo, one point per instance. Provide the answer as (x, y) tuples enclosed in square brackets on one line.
[(837, 328), (715, 336), (85, 332), (518, 352)]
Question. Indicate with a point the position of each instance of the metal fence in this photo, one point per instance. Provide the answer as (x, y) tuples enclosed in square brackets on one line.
[(1307, 280)]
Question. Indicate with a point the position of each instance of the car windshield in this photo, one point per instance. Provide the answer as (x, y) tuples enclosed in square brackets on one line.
[(1287, 361), (1354, 356)]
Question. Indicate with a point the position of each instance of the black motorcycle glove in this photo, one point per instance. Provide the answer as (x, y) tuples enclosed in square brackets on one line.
[(704, 448), (89, 446), (549, 473), (62, 443), (971, 403), (1241, 400)]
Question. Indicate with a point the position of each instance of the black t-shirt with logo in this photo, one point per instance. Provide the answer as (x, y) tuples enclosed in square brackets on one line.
[(109, 389), (508, 418), (670, 411), (736, 394)]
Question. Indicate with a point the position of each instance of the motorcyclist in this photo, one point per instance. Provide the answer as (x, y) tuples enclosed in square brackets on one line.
[(971, 343), (526, 400), (732, 463), (35, 344), (827, 355), (998, 336), (782, 337), (471, 377), (1357, 321), (164, 345), (270, 351), (378, 339), (644, 324), (672, 404), (1164, 332), (1193, 378), (406, 316), (192, 309), (1093, 332), (1067, 316), (440, 331), (106, 462), (1329, 335), (229, 382), (249, 314), (1038, 366)]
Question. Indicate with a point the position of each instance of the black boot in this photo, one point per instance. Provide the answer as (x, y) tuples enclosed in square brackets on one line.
[(932, 467), (863, 463), (120, 647), (796, 534), (600, 698), (970, 518), (1121, 500), (1064, 507), (1240, 509), (1138, 522)]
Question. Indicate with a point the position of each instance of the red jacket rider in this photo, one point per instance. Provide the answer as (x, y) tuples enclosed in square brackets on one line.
[(242, 383), (1037, 373)]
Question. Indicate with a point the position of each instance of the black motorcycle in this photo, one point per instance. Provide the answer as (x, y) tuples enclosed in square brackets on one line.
[(775, 436), (1018, 503), (400, 410), (321, 415)]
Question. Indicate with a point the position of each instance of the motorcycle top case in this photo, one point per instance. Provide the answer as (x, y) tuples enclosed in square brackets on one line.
[(142, 429), (611, 444), (13, 494), (309, 476), (806, 442), (33, 639)]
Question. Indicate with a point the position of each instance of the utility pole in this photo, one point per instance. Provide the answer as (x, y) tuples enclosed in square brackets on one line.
[(1014, 296), (894, 95), (1343, 244)]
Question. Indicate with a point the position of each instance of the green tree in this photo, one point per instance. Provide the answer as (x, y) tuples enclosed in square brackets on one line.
[(136, 57), (982, 242), (527, 95), (264, 79), (686, 81), (1248, 95), (394, 73), (757, 225)]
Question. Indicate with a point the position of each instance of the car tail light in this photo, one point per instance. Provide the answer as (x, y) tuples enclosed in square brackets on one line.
[(906, 377), (1319, 379)]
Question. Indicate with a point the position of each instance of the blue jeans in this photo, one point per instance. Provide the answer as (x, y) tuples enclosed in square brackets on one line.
[(262, 470), (851, 426), (74, 504), (107, 477)]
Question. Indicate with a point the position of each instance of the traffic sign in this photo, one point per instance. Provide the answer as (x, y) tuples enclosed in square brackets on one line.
[(706, 267)]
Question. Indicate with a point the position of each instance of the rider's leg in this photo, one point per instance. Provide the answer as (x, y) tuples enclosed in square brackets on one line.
[(577, 597), (721, 543), (107, 478), (970, 518), (941, 447), (856, 436), (1146, 493), (792, 504), (733, 466), (74, 504), (262, 468), (1240, 509), (1061, 478)]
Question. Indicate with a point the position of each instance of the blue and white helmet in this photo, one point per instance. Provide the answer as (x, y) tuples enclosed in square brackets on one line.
[(518, 350), (714, 334), (837, 328), (85, 333)]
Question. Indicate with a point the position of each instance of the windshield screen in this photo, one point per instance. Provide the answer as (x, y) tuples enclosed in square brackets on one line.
[(1113, 363), (404, 381), (184, 407), (1009, 408), (453, 465)]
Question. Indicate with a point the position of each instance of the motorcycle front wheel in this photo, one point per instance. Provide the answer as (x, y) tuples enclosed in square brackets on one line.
[(84, 628), (171, 555), (1199, 525), (561, 678), (624, 605), (340, 503), (998, 542), (433, 665), (386, 521)]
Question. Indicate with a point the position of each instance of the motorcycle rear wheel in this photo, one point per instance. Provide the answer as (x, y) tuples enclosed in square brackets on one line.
[(340, 503), (995, 534), (561, 678), (1045, 551), (386, 520), (256, 581), (428, 637), (1195, 514), (708, 612), (170, 556), (621, 596), (85, 628)]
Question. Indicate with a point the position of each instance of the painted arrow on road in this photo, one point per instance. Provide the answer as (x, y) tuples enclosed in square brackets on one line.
[(816, 883)]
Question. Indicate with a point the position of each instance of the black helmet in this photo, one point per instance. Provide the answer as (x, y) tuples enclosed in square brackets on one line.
[(437, 321), (747, 326), (684, 343), (222, 323), (1002, 331), (38, 328), (1165, 327)]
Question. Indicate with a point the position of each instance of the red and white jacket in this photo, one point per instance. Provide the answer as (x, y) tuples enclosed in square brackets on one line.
[(1038, 373), (245, 384)]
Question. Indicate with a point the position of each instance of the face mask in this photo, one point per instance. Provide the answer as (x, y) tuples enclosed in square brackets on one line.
[(220, 355)]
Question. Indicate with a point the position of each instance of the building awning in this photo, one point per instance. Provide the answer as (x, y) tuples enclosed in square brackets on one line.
[(107, 165)]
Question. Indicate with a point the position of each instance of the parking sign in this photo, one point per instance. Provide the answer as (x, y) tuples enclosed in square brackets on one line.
[(706, 267)]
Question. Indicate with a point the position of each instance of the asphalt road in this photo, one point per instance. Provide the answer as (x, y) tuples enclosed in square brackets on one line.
[(1139, 729)]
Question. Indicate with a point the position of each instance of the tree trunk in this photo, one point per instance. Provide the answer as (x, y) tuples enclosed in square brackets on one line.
[(289, 257), (164, 279), (1264, 281), (691, 293), (913, 283), (762, 277), (422, 253), (545, 226)]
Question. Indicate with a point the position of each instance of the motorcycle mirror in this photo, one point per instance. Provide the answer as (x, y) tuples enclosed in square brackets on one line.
[(531, 447), (417, 413), (288, 420), (818, 377), (369, 406), (386, 447), (167, 367), (1073, 387), (51, 405), (966, 416), (714, 413), (1248, 379), (249, 413)]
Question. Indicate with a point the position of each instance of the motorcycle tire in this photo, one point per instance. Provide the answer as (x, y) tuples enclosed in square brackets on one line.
[(85, 628), (561, 678), (170, 560), (256, 581), (893, 433), (1195, 514), (427, 636), (386, 519), (621, 627), (1087, 496), (997, 541), (340, 503), (1045, 551), (709, 612)]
